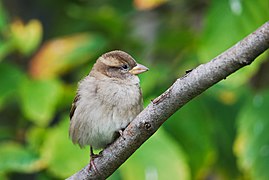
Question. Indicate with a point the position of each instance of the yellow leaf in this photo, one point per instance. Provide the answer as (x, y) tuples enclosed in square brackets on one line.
[(148, 4), (28, 36), (58, 55)]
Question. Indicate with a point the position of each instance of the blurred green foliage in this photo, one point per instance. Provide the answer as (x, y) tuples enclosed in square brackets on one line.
[(47, 46)]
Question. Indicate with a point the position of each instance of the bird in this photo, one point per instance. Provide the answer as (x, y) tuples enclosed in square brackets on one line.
[(106, 101)]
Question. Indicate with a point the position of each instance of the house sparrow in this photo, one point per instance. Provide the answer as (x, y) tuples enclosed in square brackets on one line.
[(107, 100)]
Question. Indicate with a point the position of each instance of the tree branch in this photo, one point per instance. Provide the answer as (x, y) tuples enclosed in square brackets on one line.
[(182, 91)]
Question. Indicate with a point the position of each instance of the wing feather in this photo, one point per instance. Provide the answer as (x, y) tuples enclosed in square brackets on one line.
[(74, 106)]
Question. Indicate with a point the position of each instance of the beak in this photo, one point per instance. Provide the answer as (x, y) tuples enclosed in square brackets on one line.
[(138, 69)]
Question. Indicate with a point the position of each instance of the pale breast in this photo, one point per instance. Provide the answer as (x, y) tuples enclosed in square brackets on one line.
[(102, 110)]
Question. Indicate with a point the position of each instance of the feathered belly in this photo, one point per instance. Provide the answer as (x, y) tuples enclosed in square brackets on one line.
[(97, 125), (102, 112), (105, 130)]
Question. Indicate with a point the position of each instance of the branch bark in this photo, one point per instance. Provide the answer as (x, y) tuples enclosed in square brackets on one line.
[(182, 91)]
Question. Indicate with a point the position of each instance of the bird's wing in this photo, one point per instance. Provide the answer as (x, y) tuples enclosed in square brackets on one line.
[(74, 106)]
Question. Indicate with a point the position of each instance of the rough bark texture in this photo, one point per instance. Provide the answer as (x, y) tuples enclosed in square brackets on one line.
[(182, 91)]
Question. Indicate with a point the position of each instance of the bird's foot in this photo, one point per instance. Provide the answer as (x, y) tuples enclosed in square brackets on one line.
[(93, 156), (91, 164)]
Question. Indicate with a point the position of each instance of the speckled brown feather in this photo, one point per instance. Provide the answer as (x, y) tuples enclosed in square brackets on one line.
[(121, 56), (74, 106)]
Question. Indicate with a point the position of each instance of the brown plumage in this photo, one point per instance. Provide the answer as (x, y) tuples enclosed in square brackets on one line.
[(107, 100)]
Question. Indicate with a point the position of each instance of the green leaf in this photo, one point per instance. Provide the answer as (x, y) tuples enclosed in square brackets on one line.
[(3, 176), (223, 114), (10, 78), (35, 137), (3, 17), (193, 131), (105, 18), (226, 23), (252, 143), (63, 157), (6, 48), (220, 32), (15, 157), (160, 157), (39, 100)]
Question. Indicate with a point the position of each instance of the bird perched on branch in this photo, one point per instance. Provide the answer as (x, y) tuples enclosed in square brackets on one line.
[(107, 100)]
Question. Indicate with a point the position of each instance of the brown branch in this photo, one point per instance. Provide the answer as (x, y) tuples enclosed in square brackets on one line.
[(182, 91)]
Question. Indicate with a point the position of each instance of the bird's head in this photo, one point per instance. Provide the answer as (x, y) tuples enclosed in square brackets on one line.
[(118, 64)]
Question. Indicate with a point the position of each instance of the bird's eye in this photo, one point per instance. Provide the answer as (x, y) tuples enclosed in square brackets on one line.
[(125, 67)]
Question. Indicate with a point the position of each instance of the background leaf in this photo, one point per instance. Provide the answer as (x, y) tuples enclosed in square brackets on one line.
[(14, 157), (30, 33), (10, 78), (229, 29), (3, 17), (194, 133), (39, 99), (251, 145), (63, 157), (155, 158), (58, 55)]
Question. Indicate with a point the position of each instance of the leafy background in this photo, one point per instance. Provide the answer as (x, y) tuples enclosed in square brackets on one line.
[(47, 46)]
